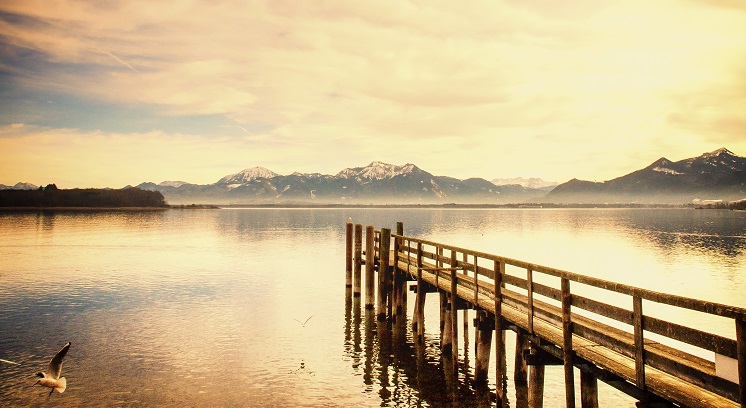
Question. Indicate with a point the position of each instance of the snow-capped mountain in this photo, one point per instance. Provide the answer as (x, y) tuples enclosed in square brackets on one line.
[(247, 175), (719, 174), (532, 182), (376, 171), (176, 184), (19, 186)]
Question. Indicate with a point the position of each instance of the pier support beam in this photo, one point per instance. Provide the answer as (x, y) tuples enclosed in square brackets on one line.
[(348, 256), (400, 279), (445, 323), (520, 373), (418, 320), (484, 324), (536, 386), (370, 260), (536, 382), (588, 390), (358, 259), (383, 275)]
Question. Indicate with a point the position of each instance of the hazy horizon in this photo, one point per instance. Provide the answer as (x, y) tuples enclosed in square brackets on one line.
[(101, 95)]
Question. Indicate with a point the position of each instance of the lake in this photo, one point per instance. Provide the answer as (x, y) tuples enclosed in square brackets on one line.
[(204, 307)]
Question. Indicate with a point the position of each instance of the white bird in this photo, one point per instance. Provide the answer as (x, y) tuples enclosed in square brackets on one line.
[(53, 379), (8, 362), (304, 323)]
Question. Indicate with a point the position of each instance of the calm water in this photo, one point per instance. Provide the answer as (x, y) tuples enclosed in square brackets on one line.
[(199, 308)]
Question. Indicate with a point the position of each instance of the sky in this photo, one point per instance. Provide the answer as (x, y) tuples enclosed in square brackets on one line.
[(115, 93)]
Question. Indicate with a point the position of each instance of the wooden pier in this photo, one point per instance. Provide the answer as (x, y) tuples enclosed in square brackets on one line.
[(559, 317)]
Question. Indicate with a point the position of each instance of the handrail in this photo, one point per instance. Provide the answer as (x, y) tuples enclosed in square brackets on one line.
[(452, 271)]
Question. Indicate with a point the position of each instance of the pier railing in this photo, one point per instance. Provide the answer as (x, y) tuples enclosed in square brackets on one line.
[(567, 319)]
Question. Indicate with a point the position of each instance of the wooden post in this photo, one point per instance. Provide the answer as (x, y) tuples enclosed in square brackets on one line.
[(358, 259), (383, 272), (445, 323), (567, 344), (348, 257), (536, 386), (420, 297), (520, 373), (399, 280), (500, 375), (741, 355), (370, 295), (403, 282), (530, 288), (588, 390), (454, 312), (476, 283), (484, 327), (639, 342)]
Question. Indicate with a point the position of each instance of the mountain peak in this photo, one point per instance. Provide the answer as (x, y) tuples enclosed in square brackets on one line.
[(377, 170), (719, 152), (175, 184), (247, 175)]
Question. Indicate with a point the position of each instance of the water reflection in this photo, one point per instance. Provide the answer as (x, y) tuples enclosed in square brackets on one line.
[(404, 373)]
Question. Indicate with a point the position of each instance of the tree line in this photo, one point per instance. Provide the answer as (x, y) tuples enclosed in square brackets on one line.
[(51, 196)]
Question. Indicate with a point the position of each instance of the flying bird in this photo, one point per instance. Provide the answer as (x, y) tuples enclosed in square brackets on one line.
[(304, 323), (52, 379), (8, 362)]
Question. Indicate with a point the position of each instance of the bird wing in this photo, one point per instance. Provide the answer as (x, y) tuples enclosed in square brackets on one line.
[(304, 323), (55, 366)]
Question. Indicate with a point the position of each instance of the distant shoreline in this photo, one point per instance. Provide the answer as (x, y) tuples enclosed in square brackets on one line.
[(457, 206), (62, 209), (343, 206)]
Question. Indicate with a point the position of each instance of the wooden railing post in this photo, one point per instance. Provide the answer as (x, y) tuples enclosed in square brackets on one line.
[(476, 283), (383, 272), (358, 259), (348, 257), (530, 289), (500, 369), (454, 311), (741, 354), (370, 295), (637, 319), (567, 343)]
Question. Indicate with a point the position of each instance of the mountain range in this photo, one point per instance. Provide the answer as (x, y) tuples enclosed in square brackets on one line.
[(376, 183), (717, 175)]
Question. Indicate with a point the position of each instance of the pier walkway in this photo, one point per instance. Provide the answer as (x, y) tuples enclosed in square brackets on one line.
[(559, 317)]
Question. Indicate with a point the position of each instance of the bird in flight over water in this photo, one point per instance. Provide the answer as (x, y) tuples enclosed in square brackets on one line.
[(304, 323), (52, 379)]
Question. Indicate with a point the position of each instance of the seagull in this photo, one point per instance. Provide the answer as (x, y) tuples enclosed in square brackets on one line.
[(52, 379), (304, 323)]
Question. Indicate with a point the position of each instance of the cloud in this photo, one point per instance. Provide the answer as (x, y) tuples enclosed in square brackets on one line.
[(371, 76)]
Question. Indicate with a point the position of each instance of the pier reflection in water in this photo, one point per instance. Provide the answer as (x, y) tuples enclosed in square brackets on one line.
[(403, 372)]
